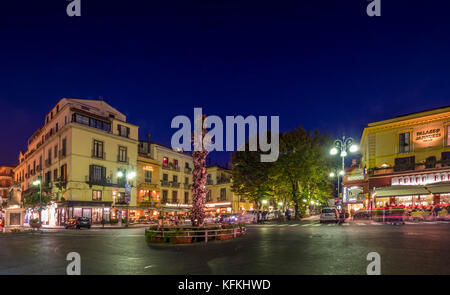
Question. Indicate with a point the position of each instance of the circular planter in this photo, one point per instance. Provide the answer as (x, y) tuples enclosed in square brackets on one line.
[(191, 234), (35, 225)]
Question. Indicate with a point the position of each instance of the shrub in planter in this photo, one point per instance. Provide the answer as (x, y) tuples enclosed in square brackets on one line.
[(114, 221), (34, 223)]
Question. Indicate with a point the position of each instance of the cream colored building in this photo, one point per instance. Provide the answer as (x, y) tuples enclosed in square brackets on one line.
[(78, 153), (220, 198)]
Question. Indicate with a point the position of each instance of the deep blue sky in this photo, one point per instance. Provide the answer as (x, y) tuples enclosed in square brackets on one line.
[(321, 64)]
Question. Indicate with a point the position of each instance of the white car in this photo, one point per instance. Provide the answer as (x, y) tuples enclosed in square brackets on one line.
[(329, 214)]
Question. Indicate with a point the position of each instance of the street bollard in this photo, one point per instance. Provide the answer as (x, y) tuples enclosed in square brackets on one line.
[(206, 236)]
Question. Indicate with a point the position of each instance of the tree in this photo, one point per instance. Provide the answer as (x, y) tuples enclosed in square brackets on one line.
[(301, 169), (33, 201), (251, 176)]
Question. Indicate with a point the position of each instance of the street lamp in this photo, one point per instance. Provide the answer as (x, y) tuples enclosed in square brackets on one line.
[(341, 146), (130, 176), (38, 182)]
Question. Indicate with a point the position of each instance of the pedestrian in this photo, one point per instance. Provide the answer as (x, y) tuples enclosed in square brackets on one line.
[(288, 214)]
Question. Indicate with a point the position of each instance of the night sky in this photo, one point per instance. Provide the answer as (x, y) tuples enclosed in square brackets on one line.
[(318, 63)]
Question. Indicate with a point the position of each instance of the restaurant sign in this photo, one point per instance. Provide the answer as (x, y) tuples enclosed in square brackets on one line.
[(428, 136), (421, 179)]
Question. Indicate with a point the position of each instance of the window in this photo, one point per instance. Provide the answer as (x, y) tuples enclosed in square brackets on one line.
[(186, 197), (175, 179), (48, 176), (63, 172), (404, 143), (98, 124), (174, 197), (148, 176), (97, 151), (404, 164), (96, 195), (175, 163), (165, 161), (186, 180), (49, 159), (186, 165), (55, 174), (63, 150), (97, 173), (208, 196), (448, 135), (123, 130), (165, 177), (56, 127), (223, 194), (165, 196), (55, 153), (122, 157)]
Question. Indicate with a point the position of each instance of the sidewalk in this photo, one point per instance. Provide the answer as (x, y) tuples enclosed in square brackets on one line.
[(99, 226)]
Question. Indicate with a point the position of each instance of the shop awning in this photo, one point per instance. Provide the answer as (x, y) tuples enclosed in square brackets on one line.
[(400, 190), (440, 188)]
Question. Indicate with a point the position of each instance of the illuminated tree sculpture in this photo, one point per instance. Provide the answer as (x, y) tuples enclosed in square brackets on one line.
[(199, 175)]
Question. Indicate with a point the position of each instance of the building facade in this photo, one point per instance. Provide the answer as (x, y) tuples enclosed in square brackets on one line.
[(220, 197), (6, 180), (406, 160), (85, 155)]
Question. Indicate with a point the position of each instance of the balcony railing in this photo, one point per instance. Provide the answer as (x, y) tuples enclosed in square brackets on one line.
[(209, 182), (175, 184), (48, 163), (95, 181), (223, 180), (165, 183), (98, 155), (187, 185), (187, 170)]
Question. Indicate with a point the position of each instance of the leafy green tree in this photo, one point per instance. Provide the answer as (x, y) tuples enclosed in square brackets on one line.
[(32, 201), (302, 167)]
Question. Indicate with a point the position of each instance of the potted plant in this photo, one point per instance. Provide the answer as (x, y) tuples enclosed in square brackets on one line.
[(34, 223)]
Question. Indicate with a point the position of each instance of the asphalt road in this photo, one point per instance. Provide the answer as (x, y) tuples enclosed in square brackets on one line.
[(306, 248)]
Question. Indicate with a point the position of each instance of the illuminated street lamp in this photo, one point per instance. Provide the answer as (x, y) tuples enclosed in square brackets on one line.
[(39, 182), (130, 176), (341, 146)]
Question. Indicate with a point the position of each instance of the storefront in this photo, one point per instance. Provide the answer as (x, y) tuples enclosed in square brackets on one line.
[(213, 209)]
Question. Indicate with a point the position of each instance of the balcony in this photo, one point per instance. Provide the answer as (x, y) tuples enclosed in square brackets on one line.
[(187, 170), (165, 167), (98, 155), (165, 183), (93, 181), (38, 168), (223, 180), (175, 200), (187, 185), (175, 184), (209, 182), (48, 163)]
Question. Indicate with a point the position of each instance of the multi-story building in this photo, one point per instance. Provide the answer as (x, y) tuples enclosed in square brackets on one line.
[(406, 160), (85, 155), (174, 176), (220, 197), (6, 180)]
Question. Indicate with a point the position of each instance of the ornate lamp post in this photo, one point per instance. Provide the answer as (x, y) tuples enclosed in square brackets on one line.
[(341, 146)]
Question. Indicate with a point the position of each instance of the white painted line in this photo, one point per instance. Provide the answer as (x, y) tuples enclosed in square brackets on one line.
[(294, 225), (318, 224), (331, 224), (376, 223), (346, 224), (360, 224)]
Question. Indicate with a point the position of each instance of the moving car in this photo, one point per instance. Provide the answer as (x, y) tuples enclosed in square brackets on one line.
[(246, 217), (329, 214), (78, 223)]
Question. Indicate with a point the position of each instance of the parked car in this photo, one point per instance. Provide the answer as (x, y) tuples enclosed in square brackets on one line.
[(227, 218), (329, 214), (209, 220), (78, 223)]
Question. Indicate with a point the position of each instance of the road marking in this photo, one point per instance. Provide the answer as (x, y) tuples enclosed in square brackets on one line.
[(308, 224), (317, 224), (346, 224), (376, 223), (148, 266), (293, 225), (331, 224), (360, 224)]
